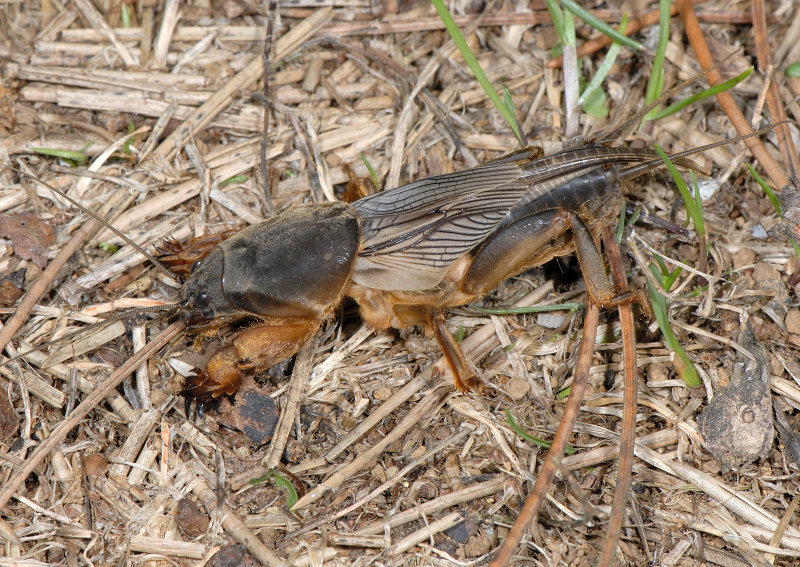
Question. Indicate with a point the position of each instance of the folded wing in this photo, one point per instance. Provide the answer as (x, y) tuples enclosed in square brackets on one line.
[(413, 234)]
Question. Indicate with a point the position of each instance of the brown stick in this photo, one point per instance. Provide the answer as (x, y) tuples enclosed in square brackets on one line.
[(628, 434), (698, 43), (550, 467), (58, 434), (774, 102)]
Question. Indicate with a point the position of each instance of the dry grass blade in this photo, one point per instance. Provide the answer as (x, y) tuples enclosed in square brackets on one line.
[(87, 405)]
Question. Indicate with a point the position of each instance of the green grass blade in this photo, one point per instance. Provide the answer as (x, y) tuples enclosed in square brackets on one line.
[(557, 15), (569, 450), (372, 174), (711, 91), (774, 200), (232, 180), (656, 83), (767, 189), (621, 224), (77, 157), (281, 482), (683, 365), (125, 15), (693, 206), (600, 26), (593, 98), (474, 66)]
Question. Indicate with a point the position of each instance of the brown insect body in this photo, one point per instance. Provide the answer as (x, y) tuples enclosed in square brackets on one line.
[(404, 255)]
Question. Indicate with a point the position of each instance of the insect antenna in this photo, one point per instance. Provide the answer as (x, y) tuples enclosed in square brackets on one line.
[(616, 131), (103, 222), (636, 170), (119, 316), (128, 314)]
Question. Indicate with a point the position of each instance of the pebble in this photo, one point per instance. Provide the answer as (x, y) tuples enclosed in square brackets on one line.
[(517, 388), (763, 272), (742, 258), (657, 372), (478, 545), (792, 321), (775, 365)]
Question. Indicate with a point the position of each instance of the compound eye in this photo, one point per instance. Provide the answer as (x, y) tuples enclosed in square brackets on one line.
[(195, 265), (201, 300)]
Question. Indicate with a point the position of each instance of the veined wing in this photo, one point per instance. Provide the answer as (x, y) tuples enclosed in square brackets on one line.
[(545, 174), (412, 235)]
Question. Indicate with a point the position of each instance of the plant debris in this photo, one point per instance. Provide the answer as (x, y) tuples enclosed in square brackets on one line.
[(737, 425)]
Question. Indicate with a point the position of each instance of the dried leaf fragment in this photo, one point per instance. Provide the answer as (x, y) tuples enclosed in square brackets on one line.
[(192, 521), (29, 236), (9, 422)]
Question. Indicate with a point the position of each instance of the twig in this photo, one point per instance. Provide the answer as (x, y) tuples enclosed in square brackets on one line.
[(776, 109), (725, 98)]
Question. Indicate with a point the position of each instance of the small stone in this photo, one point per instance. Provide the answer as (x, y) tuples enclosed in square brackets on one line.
[(657, 372), (427, 491), (295, 451), (158, 396), (792, 321), (478, 545), (192, 521), (775, 366), (257, 415), (452, 467), (95, 465), (9, 423), (462, 531), (379, 473), (743, 258), (689, 252), (233, 556), (382, 394), (517, 388), (763, 272), (723, 378), (550, 320), (441, 432)]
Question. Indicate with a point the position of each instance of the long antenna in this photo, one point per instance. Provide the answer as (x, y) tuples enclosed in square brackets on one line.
[(116, 317), (102, 221), (635, 171)]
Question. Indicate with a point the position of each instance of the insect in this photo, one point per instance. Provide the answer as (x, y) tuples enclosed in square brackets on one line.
[(405, 255)]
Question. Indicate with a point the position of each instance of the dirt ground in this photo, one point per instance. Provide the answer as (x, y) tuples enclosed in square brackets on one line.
[(159, 116)]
